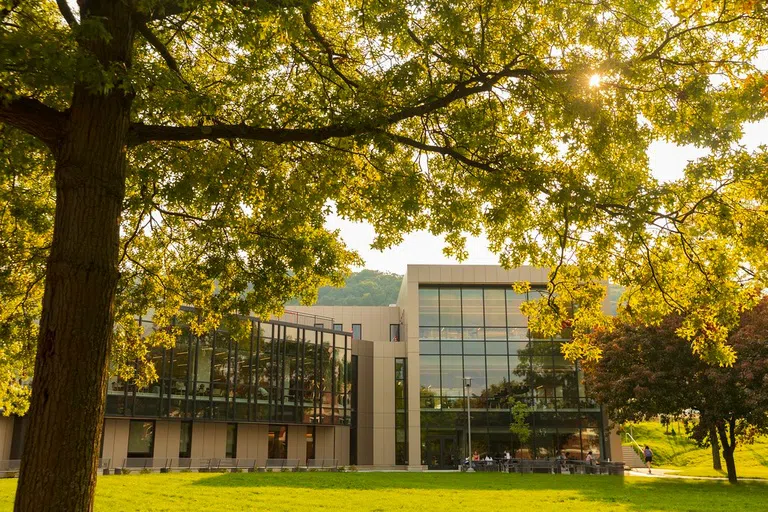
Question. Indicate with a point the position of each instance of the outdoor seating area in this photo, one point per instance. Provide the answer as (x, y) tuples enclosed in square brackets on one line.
[(202, 465), (551, 466)]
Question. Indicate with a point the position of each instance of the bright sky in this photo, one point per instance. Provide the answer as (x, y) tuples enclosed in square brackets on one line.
[(667, 162)]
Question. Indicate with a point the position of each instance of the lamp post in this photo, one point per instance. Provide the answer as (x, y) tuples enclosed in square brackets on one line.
[(468, 386)]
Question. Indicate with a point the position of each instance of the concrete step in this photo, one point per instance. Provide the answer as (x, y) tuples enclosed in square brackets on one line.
[(631, 458)]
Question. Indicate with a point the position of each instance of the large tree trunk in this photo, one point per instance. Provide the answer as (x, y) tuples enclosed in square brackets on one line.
[(728, 448), (59, 462), (716, 464)]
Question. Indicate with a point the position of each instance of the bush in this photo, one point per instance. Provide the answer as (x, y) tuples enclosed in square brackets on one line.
[(145, 471), (125, 471), (237, 470), (352, 469), (285, 470)]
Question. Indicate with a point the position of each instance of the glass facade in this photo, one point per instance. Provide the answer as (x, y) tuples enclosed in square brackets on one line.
[(479, 332), (185, 440), (401, 411), (141, 438), (274, 373), (231, 446)]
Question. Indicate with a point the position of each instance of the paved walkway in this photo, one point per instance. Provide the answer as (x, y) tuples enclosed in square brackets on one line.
[(671, 473)]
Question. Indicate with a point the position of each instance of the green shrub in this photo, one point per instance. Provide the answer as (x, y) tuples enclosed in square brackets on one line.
[(125, 471), (145, 471)]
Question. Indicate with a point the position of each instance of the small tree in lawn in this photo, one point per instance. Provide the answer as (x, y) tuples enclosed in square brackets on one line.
[(648, 371), (519, 425)]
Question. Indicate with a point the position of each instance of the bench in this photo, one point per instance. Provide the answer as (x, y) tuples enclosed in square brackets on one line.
[(104, 466), (230, 464), (188, 464), (281, 464), (323, 464), (139, 463)]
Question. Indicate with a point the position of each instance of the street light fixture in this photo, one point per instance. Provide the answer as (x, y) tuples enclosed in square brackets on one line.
[(468, 386)]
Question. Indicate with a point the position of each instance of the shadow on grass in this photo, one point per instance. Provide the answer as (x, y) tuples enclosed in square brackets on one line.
[(636, 494)]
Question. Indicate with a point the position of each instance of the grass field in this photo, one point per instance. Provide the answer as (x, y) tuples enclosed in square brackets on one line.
[(413, 491), (680, 453)]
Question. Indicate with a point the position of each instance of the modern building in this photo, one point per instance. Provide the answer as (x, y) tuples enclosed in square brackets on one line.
[(369, 386)]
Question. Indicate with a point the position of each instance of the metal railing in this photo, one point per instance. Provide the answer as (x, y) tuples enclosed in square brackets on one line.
[(635, 444), (297, 317)]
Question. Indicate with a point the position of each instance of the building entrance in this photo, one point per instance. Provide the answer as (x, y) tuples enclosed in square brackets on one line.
[(442, 452)]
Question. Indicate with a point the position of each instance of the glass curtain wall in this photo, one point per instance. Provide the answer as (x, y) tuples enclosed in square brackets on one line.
[(401, 411), (479, 332), (275, 372)]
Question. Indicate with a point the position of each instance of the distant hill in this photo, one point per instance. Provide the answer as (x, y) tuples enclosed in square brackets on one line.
[(364, 288)]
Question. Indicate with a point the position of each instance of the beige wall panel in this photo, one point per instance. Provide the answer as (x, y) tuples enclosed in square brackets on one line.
[(341, 434), (388, 444), (246, 447), (108, 443), (297, 442), (614, 442), (324, 443), (167, 436), (160, 448), (209, 440), (6, 436), (115, 441)]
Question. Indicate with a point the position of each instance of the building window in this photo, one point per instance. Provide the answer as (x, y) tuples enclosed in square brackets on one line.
[(231, 440), (310, 435), (141, 438), (185, 440), (275, 373), (277, 446), (401, 412), (338, 327), (394, 332), (353, 400), (322, 326), (479, 332), (357, 331)]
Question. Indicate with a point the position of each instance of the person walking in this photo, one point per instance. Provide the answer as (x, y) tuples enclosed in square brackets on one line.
[(648, 458)]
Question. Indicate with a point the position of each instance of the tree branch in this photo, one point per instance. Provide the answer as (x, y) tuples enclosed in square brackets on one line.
[(174, 7), (35, 118), (329, 51), (442, 150), (158, 45), (484, 82), (67, 13)]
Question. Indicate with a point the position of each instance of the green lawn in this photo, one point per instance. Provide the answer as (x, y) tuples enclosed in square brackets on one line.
[(413, 491), (680, 453)]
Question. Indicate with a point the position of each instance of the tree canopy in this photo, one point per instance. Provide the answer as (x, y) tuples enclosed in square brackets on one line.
[(161, 152), (647, 371), (364, 288)]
